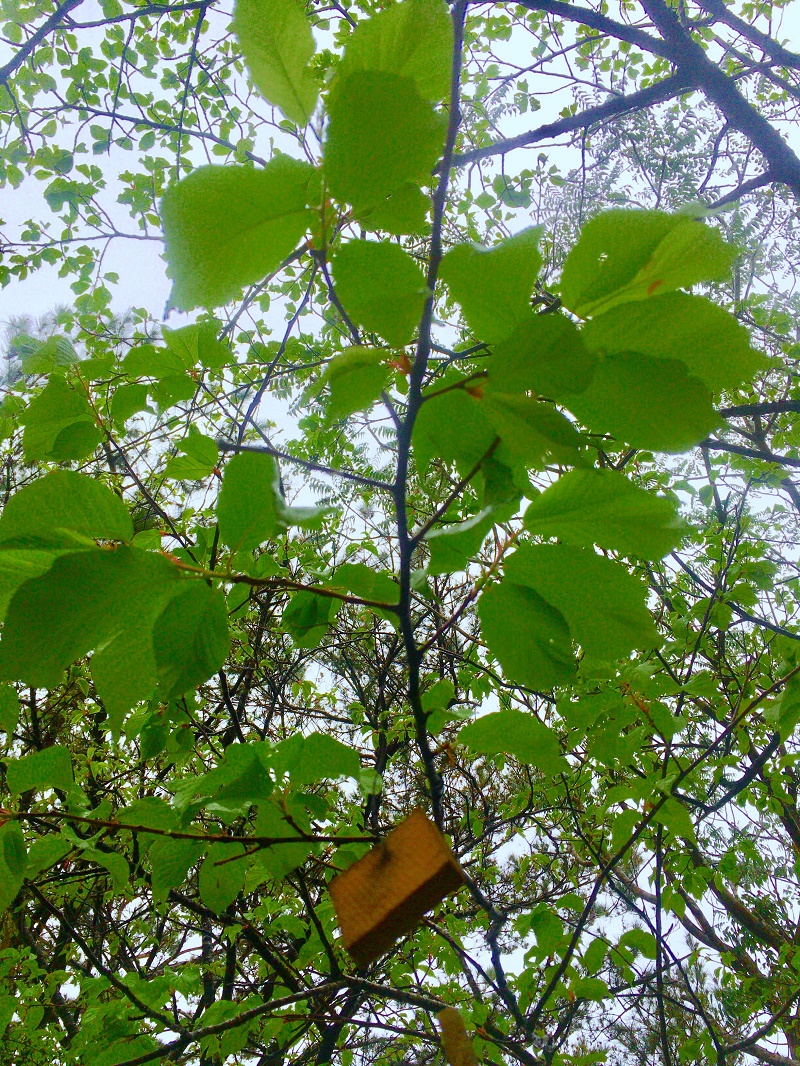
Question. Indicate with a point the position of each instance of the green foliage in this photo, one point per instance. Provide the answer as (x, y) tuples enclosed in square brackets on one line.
[(517, 595)]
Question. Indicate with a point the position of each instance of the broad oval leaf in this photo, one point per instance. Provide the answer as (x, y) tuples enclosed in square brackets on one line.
[(632, 255), (226, 227), (277, 44), (381, 135), (381, 287)]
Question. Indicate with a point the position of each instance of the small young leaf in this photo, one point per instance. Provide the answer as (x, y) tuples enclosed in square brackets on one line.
[(277, 44), (381, 287), (226, 227)]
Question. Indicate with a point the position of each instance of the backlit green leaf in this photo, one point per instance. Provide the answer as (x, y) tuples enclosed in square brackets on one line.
[(709, 341), (545, 354), (632, 255), (494, 285), (518, 734), (604, 606), (249, 504), (355, 377), (452, 427), (529, 638), (405, 211), (649, 403), (381, 287), (106, 601), (413, 39), (603, 507), (277, 44), (532, 431), (12, 862), (59, 424), (381, 135), (226, 227)]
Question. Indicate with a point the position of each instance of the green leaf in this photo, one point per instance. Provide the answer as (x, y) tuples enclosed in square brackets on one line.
[(363, 581), (545, 354), (277, 44), (63, 502), (381, 287), (625, 255), (46, 852), (226, 227), (649, 403), (452, 545), (381, 135), (18, 566), (603, 507), (198, 343), (674, 816), (116, 864), (405, 211), (9, 709), (494, 285), (413, 39), (190, 639), (106, 601), (170, 861), (515, 733), (452, 427), (356, 377), (281, 859), (534, 432), (535, 649), (59, 424), (711, 344), (199, 459), (128, 400), (49, 768), (307, 617), (641, 941), (249, 503), (13, 860), (591, 988), (149, 362), (150, 811), (322, 756), (221, 881), (604, 606)]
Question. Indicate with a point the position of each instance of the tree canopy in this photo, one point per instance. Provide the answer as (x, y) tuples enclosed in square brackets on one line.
[(458, 475)]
